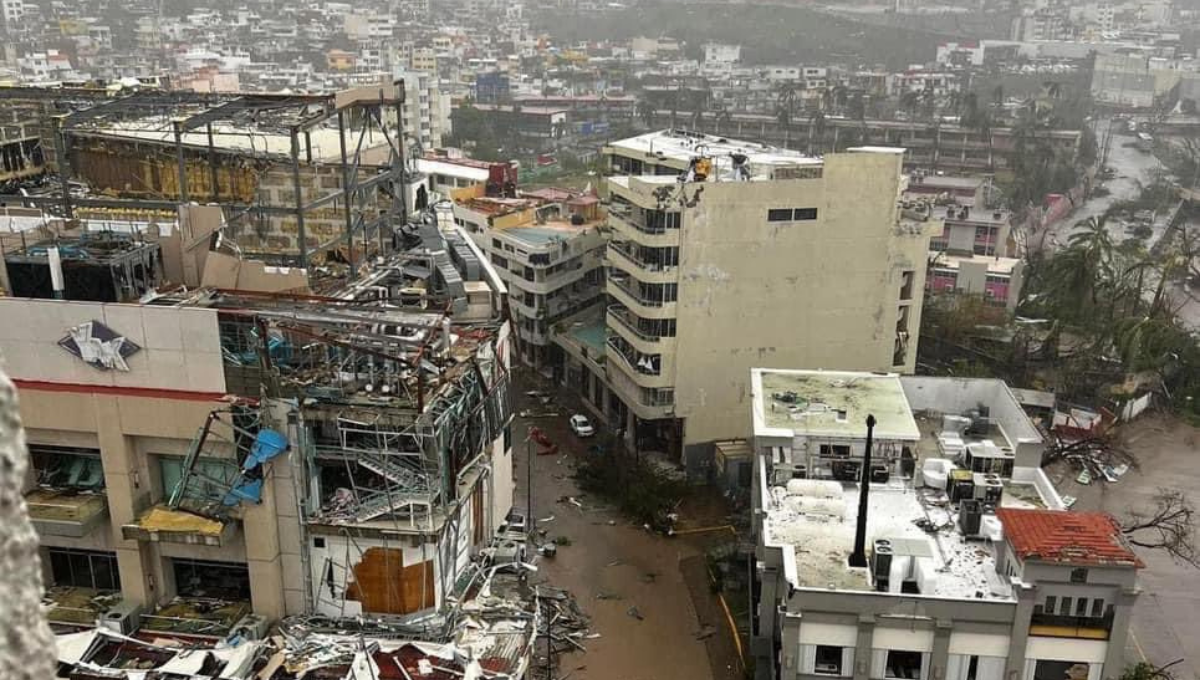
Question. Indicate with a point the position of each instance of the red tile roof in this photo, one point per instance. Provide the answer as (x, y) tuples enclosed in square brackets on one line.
[(1070, 537)]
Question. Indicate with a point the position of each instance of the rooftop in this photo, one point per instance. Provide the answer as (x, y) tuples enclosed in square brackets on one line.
[(1074, 538), (550, 231), (762, 160), (830, 403), (995, 265), (816, 521)]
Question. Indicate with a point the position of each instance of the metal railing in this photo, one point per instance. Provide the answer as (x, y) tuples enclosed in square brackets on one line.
[(629, 322)]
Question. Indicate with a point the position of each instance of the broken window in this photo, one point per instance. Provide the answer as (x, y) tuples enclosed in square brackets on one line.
[(210, 480), (84, 569), (214, 580), (828, 660), (903, 664), (67, 467)]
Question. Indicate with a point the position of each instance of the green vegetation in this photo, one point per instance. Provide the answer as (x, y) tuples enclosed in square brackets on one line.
[(640, 490)]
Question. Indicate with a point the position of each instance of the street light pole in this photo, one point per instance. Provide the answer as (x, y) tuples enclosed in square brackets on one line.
[(529, 482)]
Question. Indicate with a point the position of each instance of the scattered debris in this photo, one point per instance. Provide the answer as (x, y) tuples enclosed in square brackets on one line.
[(635, 613), (705, 632), (547, 519), (607, 596), (648, 577), (561, 540)]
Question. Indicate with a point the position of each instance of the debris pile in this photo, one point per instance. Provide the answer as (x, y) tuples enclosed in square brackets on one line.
[(562, 625)]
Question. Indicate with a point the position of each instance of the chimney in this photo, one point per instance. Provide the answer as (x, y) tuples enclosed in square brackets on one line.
[(858, 558)]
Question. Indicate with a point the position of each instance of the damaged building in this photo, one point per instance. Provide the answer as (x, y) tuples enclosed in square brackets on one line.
[(904, 529), (234, 442), (725, 254), (300, 177)]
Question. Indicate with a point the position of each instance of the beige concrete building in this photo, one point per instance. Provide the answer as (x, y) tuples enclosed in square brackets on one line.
[(206, 461), (548, 248), (726, 255)]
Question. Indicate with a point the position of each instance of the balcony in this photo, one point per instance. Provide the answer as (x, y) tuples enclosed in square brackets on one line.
[(649, 403), (645, 370), (66, 513), (624, 257), (630, 223), (626, 292), (1079, 627), (625, 323)]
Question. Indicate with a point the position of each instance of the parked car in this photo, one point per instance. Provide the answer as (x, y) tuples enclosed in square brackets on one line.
[(581, 426)]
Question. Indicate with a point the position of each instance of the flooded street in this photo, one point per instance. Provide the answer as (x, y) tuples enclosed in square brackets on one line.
[(631, 582)]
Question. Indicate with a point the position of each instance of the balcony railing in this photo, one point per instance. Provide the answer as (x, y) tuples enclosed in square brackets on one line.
[(637, 296), (629, 322), (646, 364), (1090, 627), (645, 221), (628, 254)]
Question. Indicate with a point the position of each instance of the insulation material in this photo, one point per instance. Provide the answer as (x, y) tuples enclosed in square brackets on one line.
[(165, 519)]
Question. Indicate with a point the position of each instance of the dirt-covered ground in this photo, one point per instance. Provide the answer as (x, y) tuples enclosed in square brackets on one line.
[(614, 566), (1166, 621)]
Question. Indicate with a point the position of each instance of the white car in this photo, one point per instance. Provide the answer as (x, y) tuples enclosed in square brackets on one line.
[(581, 426)]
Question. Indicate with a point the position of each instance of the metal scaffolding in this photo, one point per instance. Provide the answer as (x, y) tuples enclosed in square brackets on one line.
[(176, 118)]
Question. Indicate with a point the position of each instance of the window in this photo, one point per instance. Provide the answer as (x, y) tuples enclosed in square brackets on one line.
[(84, 569), (1051, 601), (218, 580), (211, 478), (779, 215), (804, 214), (973, 668), (1079, 575), (1081, 605), (828, 660), (835, 450), (903, 664), (318, 541), (1097, 608), (1065, 608)]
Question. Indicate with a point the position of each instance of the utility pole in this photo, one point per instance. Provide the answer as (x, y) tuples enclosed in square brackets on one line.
[(529, 482)]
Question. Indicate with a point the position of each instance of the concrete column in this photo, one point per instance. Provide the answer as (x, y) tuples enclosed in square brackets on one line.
[(128, 496), (263, 557), (862, 648), (1114, 659), (941, 649), (789, 653), (1026, 596), (768, 609)]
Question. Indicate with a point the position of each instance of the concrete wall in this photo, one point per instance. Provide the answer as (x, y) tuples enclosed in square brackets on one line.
[(180, 348), (810, 294), (958, 395)]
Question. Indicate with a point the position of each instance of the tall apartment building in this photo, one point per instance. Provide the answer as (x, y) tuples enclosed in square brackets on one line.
[(205, 461), (725, 255), (548, 248), (947, 554), (426, 109)]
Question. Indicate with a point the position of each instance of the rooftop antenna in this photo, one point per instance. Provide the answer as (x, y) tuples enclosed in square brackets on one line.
[(858, 558)]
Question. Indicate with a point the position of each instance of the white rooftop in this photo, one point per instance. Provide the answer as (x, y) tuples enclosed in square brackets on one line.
[(683, 146), (820, 534), (788, 403)]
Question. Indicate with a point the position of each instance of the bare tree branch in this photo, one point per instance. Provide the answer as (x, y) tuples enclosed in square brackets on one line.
[(1169, 527)]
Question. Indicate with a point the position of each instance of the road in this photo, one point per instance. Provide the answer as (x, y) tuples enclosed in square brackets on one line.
[(1166, 616), (623, 564), (1134, 169)]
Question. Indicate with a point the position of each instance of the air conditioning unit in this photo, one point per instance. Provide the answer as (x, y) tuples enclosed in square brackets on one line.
[(509, 551), (250, 627), (124, 618)]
